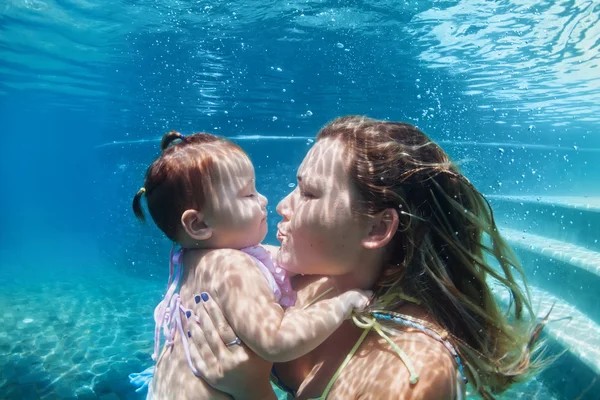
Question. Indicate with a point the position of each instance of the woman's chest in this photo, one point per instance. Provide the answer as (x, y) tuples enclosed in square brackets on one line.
[(319, 371)]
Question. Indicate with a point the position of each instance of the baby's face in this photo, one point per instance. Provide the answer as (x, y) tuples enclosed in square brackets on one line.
[(235, 210)]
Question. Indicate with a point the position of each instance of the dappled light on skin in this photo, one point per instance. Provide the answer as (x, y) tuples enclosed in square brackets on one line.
[(320, 232), (247, 302), (173, 378), (401, 218), (379, 206), (236, 210), (375, 371), (233, 218), (235, 213)]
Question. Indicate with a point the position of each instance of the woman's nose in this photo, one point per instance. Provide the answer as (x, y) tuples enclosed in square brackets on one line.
[(284, 208)]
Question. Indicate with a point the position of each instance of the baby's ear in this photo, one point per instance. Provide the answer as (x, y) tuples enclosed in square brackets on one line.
[(195, 226)]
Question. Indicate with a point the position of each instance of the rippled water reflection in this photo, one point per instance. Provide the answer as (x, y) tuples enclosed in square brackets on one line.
[(256, 66), (525, 54)]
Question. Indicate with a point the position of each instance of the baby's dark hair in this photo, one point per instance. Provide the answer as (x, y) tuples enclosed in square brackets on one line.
[(180, 178)]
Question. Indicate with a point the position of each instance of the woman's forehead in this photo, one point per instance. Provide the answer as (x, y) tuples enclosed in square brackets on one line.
[(325, 161)]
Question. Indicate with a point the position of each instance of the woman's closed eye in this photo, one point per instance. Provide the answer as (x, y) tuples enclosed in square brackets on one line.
[(306, 194)]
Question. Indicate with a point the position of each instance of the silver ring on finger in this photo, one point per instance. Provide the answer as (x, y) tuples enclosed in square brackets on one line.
[(234, 342)]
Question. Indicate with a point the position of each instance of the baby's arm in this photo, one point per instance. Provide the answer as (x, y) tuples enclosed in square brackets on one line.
[(248, 304)]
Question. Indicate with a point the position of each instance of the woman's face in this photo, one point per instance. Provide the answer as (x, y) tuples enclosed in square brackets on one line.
[(321, 231)]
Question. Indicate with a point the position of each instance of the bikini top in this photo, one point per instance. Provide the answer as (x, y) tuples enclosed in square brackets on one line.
[(372, 323)]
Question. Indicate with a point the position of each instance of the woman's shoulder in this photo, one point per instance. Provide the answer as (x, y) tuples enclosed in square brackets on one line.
[(385, 374)]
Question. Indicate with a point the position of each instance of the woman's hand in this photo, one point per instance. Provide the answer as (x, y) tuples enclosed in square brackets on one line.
[(233, 368)]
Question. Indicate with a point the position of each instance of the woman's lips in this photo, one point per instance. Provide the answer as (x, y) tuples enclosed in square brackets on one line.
[(280, 235)]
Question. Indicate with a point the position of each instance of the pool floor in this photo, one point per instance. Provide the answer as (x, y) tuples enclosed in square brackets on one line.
[(80, 336)]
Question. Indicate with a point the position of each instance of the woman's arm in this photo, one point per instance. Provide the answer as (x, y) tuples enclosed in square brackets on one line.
[(247, 301)]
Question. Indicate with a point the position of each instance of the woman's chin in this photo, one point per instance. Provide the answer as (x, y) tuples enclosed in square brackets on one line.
[(281, 261), (284, 262), (294, 268)]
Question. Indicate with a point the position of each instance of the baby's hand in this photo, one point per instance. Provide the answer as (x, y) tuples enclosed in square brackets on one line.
[(354, 300)]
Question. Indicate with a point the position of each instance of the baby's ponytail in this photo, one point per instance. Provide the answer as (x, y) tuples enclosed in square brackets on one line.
[(169, 137), (137, 205)]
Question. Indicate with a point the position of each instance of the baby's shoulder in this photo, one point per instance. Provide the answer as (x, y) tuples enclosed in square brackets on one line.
[(230, 271), (226, 258)]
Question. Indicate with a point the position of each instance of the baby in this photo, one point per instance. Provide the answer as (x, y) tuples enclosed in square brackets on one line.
[(201, 193)]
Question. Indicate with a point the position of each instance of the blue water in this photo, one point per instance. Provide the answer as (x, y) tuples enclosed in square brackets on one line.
[(510, 88)]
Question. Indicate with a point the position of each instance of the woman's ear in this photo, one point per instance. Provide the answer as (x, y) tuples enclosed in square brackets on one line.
[(381, 229), (195, 226)]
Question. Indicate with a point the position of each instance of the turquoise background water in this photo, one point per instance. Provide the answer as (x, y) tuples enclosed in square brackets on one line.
[(510, 88)]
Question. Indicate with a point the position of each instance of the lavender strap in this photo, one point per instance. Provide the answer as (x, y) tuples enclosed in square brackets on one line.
[(167, 314)]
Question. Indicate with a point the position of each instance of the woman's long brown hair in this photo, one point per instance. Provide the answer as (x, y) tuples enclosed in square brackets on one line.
[(447, 252)]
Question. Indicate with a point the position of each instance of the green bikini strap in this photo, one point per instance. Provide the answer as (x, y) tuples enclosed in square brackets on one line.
[(367, 326)]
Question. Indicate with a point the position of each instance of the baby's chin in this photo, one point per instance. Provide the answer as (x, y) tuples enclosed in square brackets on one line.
[(255, 239)]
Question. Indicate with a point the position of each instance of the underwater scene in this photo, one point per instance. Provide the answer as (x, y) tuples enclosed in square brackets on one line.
[(510, 90)]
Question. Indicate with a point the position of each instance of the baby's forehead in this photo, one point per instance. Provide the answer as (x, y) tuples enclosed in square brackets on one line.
[(233, 167)]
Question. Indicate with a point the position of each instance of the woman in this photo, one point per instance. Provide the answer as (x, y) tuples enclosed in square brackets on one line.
[(379, 206)]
